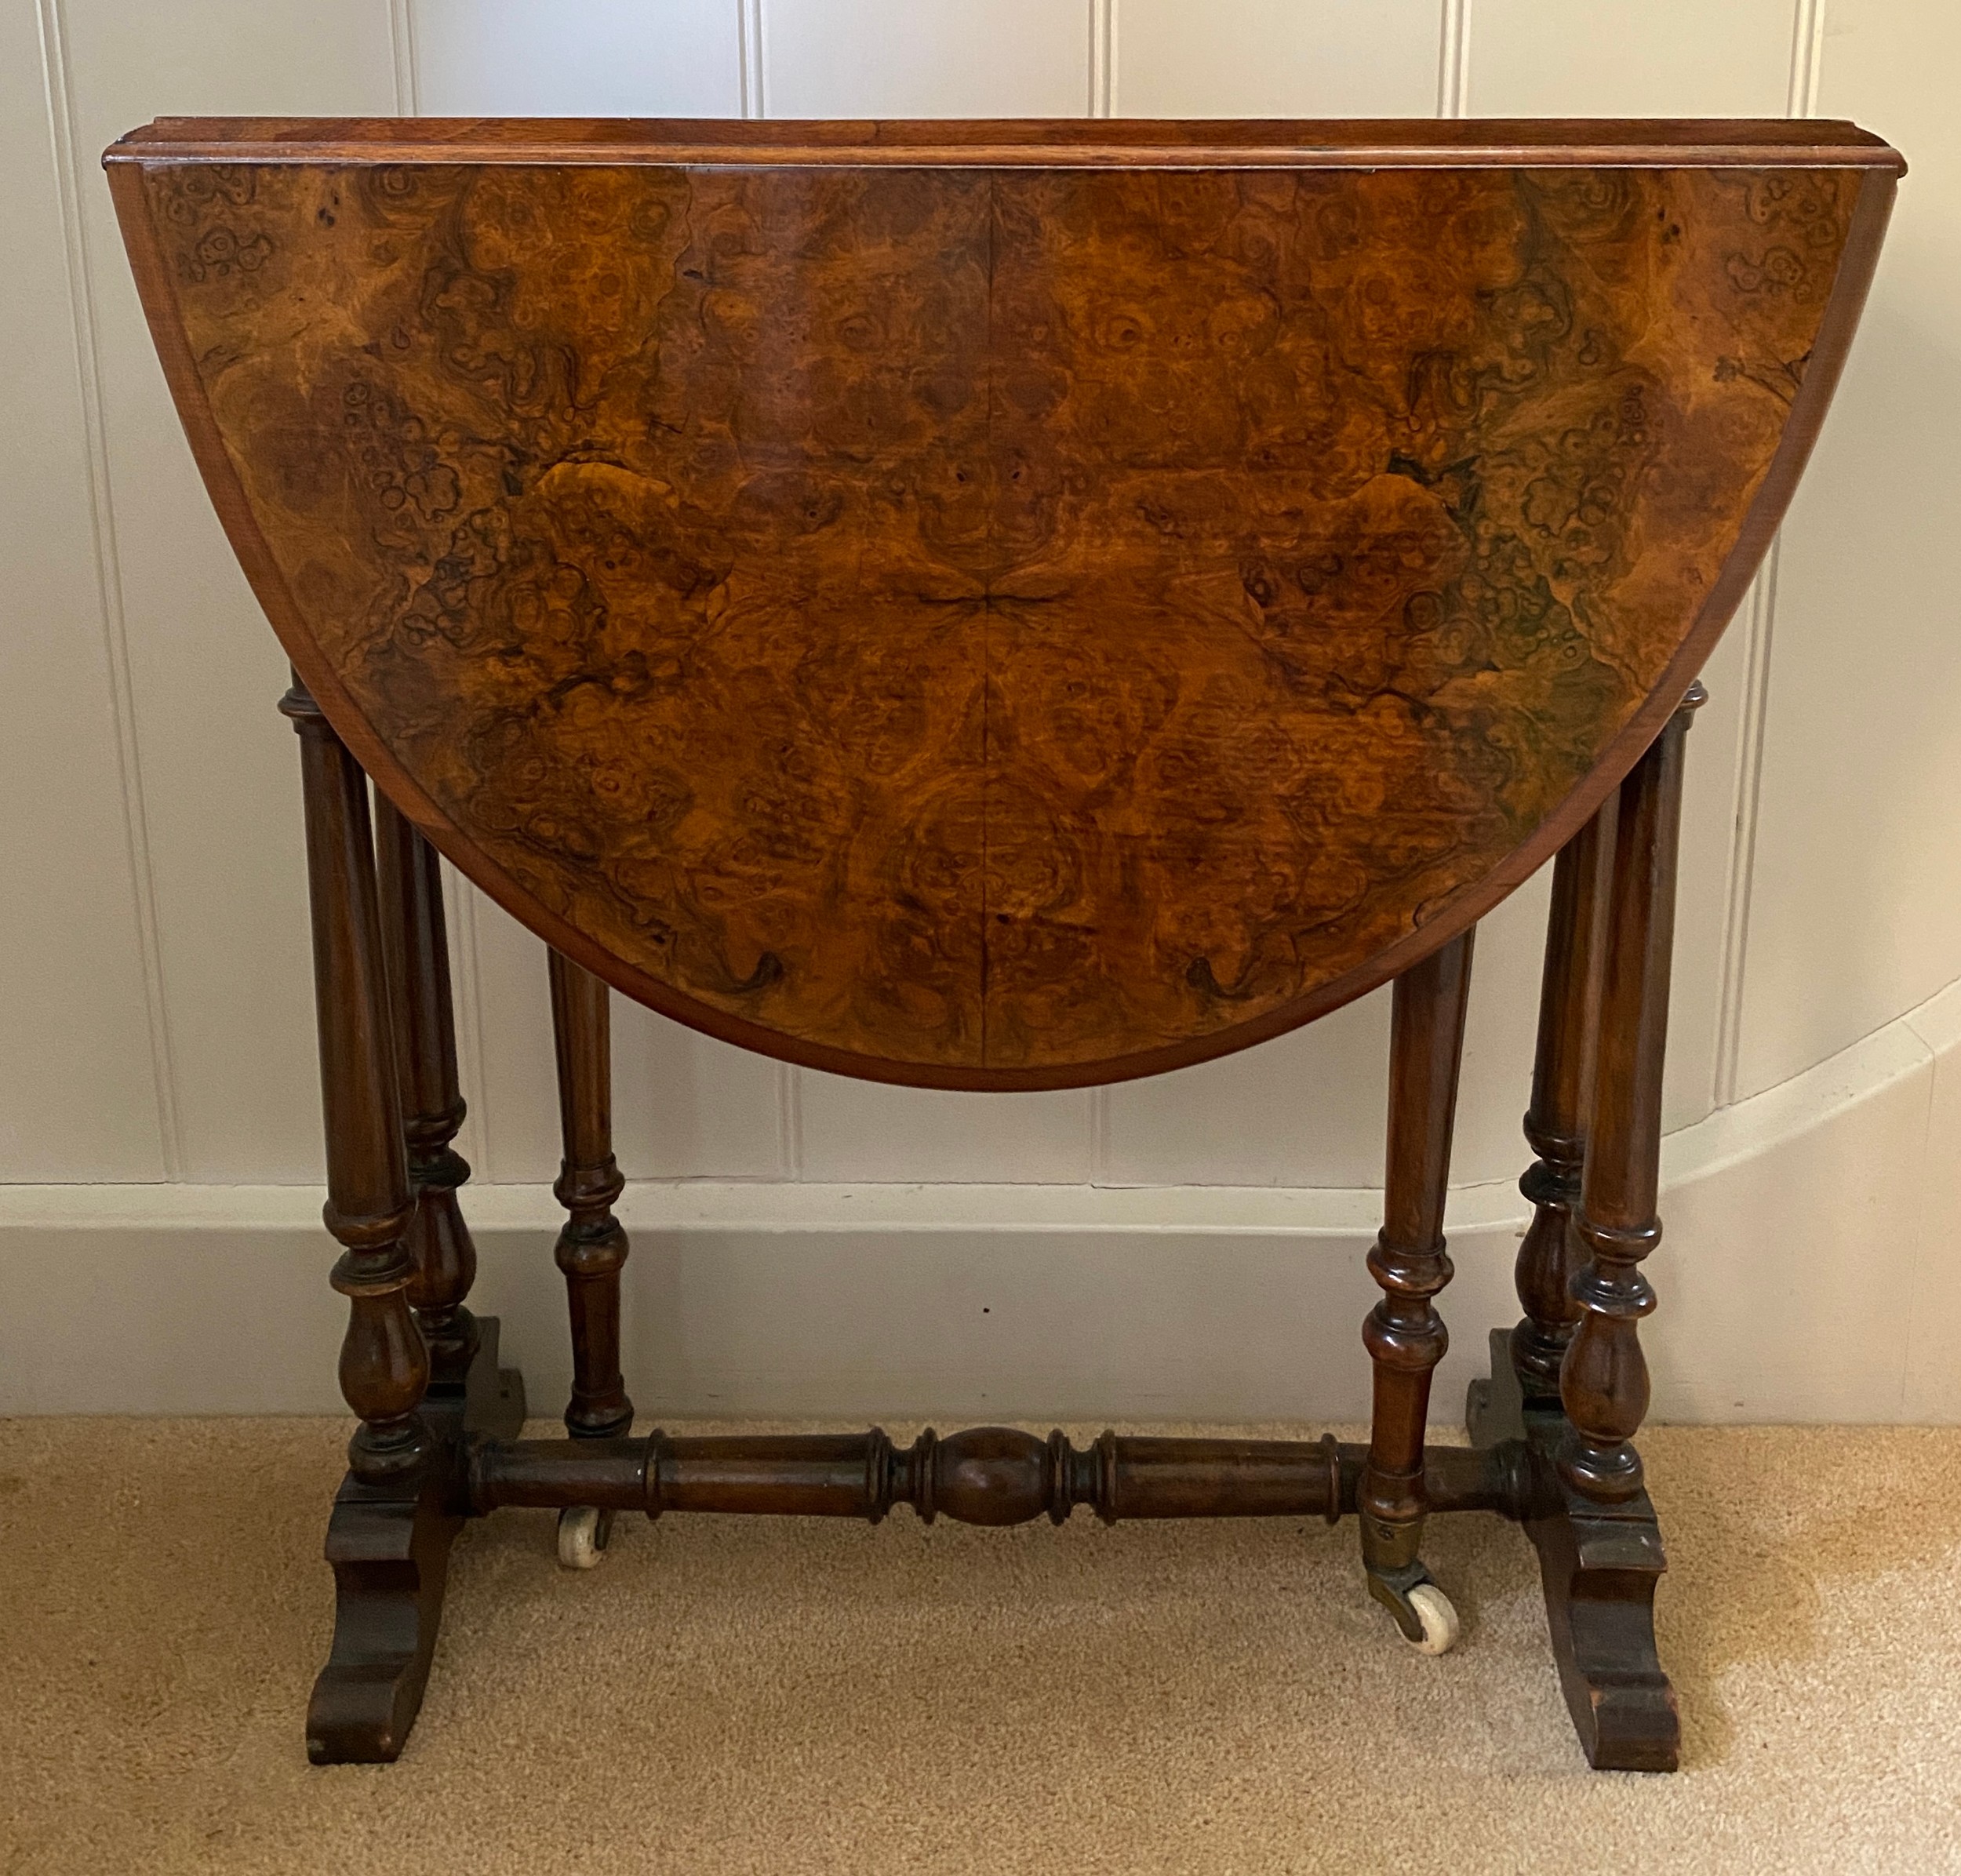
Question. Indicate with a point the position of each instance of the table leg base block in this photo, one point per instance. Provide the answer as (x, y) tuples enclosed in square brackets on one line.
[(389, 1546), (1599, 1566)]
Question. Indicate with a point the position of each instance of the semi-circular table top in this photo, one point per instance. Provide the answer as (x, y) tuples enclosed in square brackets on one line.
[(1000, 605)]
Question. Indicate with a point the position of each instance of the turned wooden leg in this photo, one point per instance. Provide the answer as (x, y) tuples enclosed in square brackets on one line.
[(592, 1247), (1603, 1379), (366, 1696), (1404, 1335), (442, 1259), (405, 1497), (1600, 1552), (1555, 1123), (384, 1366)]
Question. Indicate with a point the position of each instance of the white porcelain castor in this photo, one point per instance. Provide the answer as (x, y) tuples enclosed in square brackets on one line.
[(1434, 1611), (583, 1532)]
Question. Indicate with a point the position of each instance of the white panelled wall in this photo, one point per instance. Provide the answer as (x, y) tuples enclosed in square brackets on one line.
[(1186, 1245)]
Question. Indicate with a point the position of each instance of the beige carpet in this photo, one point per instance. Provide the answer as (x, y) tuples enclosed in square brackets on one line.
[(738, 1695)]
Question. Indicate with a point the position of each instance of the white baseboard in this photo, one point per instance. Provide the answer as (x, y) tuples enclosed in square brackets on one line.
[(1806, 1232)]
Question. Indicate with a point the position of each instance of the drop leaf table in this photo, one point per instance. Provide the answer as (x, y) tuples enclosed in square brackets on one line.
[(992, 606)]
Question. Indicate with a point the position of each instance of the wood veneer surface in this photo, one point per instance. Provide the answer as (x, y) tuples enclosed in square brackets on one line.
[(1009, 623)]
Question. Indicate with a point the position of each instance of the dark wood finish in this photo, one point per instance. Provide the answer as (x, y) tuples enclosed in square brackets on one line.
[(442, 1257), (982, 607), (1001, 605), (1603, 1379), (986, 1475), (1599, 1565), (1555, 1123), (1766, 143), (384, 1366), (386, 1542), (401, 1505), (1404, 1335), (389, 1549), (593, 1245), (1600, 1545)]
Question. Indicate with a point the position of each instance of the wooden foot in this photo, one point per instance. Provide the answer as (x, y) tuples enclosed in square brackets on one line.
[(1599, 1566), (389, 1545)]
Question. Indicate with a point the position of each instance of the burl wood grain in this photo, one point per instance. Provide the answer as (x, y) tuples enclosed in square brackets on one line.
[(997, 623)]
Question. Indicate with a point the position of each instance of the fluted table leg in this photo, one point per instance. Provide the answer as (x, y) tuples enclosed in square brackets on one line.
[(1405, 1336)]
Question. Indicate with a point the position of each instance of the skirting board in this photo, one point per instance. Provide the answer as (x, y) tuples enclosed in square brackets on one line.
[(1810, 1239)]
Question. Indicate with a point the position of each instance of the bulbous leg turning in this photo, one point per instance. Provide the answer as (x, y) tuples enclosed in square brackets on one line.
[(1599, 1546)]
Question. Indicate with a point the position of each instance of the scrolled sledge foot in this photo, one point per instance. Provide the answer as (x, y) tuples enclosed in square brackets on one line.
[(391, 1563)]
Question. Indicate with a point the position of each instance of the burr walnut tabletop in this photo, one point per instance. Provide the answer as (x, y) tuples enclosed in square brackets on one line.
[(1007, 605)]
